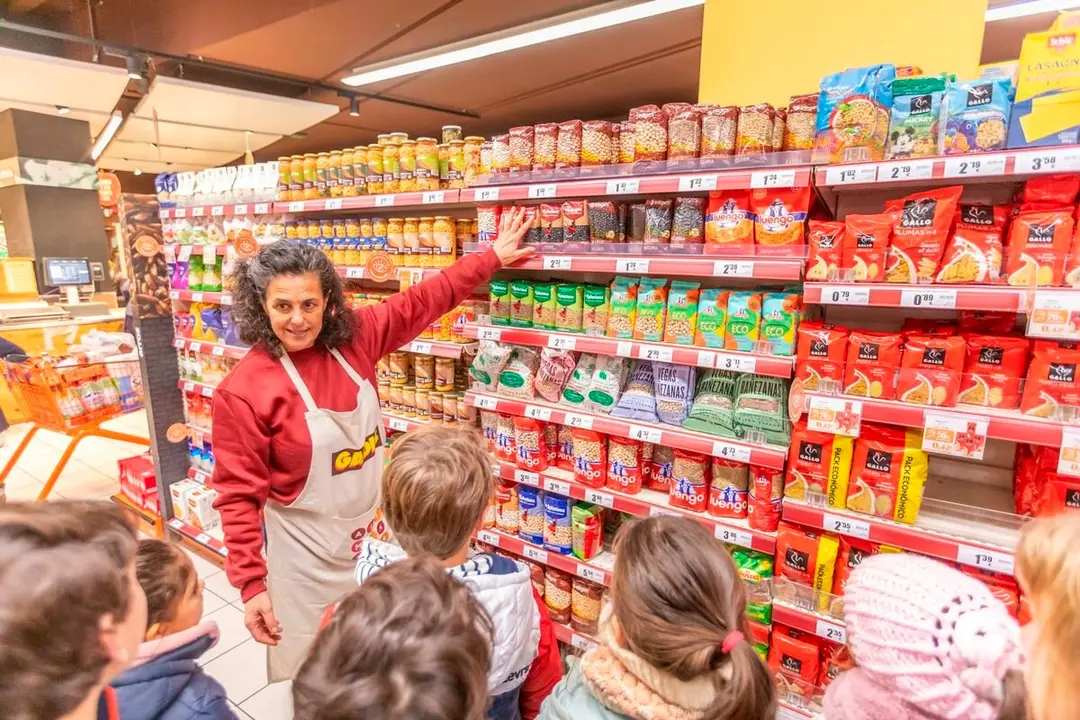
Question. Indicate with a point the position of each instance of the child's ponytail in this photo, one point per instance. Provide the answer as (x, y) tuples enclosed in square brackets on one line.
[(680, 606)]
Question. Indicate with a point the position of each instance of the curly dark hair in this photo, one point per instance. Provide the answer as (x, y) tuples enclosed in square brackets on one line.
[(287, 258)]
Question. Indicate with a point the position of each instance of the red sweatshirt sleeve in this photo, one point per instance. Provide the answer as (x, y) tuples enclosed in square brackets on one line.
[(387, 326), (546, 670), (242, 481)]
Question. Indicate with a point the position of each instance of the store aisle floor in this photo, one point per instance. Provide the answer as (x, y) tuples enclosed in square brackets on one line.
[(237, 661)]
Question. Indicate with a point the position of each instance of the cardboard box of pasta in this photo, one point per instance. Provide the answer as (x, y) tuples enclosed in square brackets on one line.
[(1047, 106)]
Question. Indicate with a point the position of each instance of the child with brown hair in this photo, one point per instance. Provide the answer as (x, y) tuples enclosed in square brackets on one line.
[(675, 644), (165, 682), (434, 493), (71, 609), (412, 642)]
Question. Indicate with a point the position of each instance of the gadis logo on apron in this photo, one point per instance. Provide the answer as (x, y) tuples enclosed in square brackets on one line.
[(349, 459)]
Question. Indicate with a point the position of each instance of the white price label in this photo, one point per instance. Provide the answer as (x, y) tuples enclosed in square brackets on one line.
[(219, 350), (432, 197), (581, 643), (624, 348), (706, 359), (209, 254), (645, 434), (164, 213), (420, 348), (1069, 457), (850, 174), (928, 299), (397, 424), (973, 166), (488, 333), (486, 403), (185, 253), (198, 212), (176, 524), (170, 254), (658, 354), (738, 363), (226, 299), (557, 262), (993, 560), (196, 297), (772, 178), (195, 347), (906, 170), (487, 194), (599, 498), (536, 412), (736, 453), (217, 210), (557, 486), (332, 204), (540, 192), (590, 573), (297, 206), (354, 273), (174, 294), (577, 421), (844, 295), (639, 267), (831, 631), (240, 209), (733, 268), (486, 536), (527, 478), (206, 391), (202, 538), (180, 213), (562, 342), (836, 415), (1056, 160), (384, 201), (622, 187), (264, 208), (691, 183), (733, 536), (535, 554), (959, 435), (189, 387), (178, 344), (846, 526)]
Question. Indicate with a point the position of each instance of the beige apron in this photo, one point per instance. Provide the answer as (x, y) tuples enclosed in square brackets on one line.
[(311, 543)]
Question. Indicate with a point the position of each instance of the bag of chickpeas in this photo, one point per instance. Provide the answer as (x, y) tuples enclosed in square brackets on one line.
[(590, 457)]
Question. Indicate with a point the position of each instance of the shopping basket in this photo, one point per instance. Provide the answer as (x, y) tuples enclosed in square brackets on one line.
[(73, 398)]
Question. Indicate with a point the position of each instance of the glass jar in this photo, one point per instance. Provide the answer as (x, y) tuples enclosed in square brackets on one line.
[(472, 147), (445, 239), (383, 139), (449, 408), (411, 244), (333, 174), (296, 177), (408, 400), (423, 405), (427, 164), (450, 133), (384, 395), (424, 371), (400, 367), (444, 164), (346, 173), (340, 245), (284, 174), (395, 238), (314, 230), (435, 401), (395, 398), (352, 241), (360, 169), (375, 169), (326, 228), (455, 164), (427, 240), (407, 162), (311, 168), (322, 175), (463, 231), (391, 173), (465, 413), (444, 374), (302, 231), (290, 230)]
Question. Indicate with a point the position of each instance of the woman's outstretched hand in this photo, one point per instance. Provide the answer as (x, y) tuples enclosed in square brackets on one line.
[(512, 228)]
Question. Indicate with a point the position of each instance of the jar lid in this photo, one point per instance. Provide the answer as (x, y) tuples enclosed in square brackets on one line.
[(335, 152), (324, 155), (310, 155), (457, 142), (451, 127), (408, 142), (408, 219), (442, 217), (474, 138), (425, 140)]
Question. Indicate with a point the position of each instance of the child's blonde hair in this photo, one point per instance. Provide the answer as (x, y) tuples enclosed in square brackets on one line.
[(435, 489), (678, 598), (1048, 569)]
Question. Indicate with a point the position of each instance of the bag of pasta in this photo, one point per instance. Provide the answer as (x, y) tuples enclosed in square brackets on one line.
[(779, 219), (729, 223), (974, 252)]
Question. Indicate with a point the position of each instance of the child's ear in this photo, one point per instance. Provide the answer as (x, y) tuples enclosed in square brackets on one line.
[(154, 632)]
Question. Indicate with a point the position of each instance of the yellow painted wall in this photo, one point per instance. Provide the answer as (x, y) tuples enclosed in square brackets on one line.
[(756, 51)]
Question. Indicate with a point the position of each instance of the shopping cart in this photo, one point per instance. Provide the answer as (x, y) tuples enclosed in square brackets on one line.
[(72, 398)]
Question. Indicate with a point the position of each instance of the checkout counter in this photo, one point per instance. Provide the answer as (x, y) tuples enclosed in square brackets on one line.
[(50, 323)]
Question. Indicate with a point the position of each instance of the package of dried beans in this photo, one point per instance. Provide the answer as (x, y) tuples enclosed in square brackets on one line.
[(684, 133), (558, 535), (719, 130), (674, 392), (521, 148), (489, 420), (531, 519), (650, 133), (626, 142), (662, 466), (545, 138), (603, 222), (565, 457), (507, 515), (519, 376), (596, 146), (529, 451), (689, 486), (594, 317), (638, 401), (568, 144), (624, 458), (590, 457), (489, 362), (607, 381), (555, 369), (577, 387), (688, 221), (504, 439), (586, 599)]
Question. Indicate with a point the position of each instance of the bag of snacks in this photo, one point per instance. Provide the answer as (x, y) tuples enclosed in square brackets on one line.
[(872, 361), (930, 370), (590, 457), (826, 240), (755, 129), (807, 558), (607, 380), (507, 516), (521, 148), (650, 133), (684, 133), (1038, 247), (558, 595), (565, 458), (661, 466), (558, 536), (917, 114), (713, 410), (682, 312), (800, 121), (518, 377), (505, 448), (587, 528), (551, 223), (499, 306), (866, 242), (1052, 381), (688, 221), (596, 145), (974, 252), (719, 130), (489, 363), (594, 318), (674, 392), (529, 451), (658, 221), (531, 517), (553, 374), (604, 225), (818, 463), (575, 221), (977, 115), (578, 386), (920, 229), (624, 464), (568, 144), (638, 401), (780, 313), (729, 224), (585, 604), (888, 473), (651, 307), (743, 321), (544, 306), (690, 480), (521, 303), (853, 113), (624, 300), (994, 371), (779, 218), (569, 298), (545, 139), (728, 488)]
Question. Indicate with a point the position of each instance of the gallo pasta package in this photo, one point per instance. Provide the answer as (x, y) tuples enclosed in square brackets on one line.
[(806, 557), (930, 370), (826, 247), (866, 242), (994, 371), (888, 473), (818, 463), (729, 223), (1038, 247), (974, 252), (820, 355), (920, 229), (1052, 381), (779, 218), (872, 361)]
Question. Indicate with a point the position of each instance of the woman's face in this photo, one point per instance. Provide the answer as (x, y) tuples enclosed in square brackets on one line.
[(295, 305)]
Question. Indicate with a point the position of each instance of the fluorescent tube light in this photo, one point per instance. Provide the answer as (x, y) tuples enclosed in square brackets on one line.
[(1023, 9), (500, 42), (107, 134)]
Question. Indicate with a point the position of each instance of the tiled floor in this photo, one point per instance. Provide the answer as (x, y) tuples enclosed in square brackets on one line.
[(237, 661)]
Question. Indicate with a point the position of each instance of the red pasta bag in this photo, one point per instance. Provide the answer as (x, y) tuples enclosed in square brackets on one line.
[(820, 354), (866, 242), (920, 230), (1038, 248), (624, 464), (1053, 382), (990, 322), (689, 481), (826, 241), (1060, 189), (993, 371), (975, 250)]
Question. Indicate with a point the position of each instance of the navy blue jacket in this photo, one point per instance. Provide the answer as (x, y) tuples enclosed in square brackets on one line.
[(171, 685)]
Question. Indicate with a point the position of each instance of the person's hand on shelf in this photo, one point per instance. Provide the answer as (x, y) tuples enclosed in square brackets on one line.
[(512, 228)]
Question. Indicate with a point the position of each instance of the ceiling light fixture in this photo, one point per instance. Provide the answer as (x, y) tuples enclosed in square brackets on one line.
[(134, 64), (524, 36), (354, 106), (62, 109), (107, 134), (1024, 9)]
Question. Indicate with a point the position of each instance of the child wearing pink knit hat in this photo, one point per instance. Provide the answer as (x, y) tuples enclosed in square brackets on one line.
[(930, 643)]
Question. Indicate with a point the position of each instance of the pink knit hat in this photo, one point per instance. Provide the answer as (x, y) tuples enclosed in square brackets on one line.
[(929, 642)]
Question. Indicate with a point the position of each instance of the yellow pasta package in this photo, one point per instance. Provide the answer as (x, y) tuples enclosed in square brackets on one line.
[(888, 473)]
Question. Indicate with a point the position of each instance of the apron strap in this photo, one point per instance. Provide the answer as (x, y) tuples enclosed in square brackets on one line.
[(298, 382), (349, 369)]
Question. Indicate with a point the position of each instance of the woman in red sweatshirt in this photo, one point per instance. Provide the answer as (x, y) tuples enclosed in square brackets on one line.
[(297, 429)]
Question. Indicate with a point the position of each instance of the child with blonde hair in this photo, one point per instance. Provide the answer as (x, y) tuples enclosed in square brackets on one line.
[(1048, 570), (676, 644)]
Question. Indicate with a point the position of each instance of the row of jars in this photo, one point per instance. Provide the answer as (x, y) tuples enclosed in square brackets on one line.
[(393, 164), (424, 372), (426, 405), (436, 239)]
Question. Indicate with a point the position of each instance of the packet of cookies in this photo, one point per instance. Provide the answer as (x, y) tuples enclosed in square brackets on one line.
[(780, 313), (1038, 248), (826, 240), (888, 473), (743, 321), (818, 463), (820, 356), (651, 307), (712, 317), (682, 312), (994, 371), (930, 370), (974, 252), (872, 361), (866, 242), (921, 223)]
